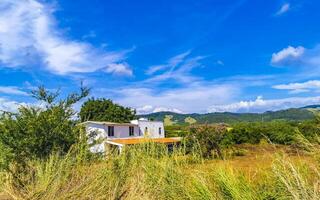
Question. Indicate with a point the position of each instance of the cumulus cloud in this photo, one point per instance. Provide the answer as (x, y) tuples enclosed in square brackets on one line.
[(300, 87), (305, 59), (196, 97), (287, 55), (262, 105), (151, 109), (9, 105), (29, 37), (284, 8), (12, 90)]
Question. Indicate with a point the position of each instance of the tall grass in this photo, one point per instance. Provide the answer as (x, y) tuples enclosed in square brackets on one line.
[(150, 171)]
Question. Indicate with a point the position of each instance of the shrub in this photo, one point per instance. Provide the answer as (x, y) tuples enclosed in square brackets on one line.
[(208, 138), (37, 132)]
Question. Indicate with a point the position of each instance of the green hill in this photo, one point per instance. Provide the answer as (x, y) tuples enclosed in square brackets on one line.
[(292, 114)]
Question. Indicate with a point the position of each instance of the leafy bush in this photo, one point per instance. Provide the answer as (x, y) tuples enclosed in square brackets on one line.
[(208, 138), (310, 129), (36, 132)]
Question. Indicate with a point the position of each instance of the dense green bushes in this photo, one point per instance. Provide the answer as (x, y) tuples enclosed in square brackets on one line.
[(207, 138), (211, 139), (278, 132)]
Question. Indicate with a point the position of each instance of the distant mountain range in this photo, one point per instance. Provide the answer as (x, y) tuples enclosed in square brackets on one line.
[(292, 114)]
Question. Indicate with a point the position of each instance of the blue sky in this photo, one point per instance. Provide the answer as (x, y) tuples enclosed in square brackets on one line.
[(183, 55)]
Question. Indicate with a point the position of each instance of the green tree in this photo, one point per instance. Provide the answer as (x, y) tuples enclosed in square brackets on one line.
[(34, 132), (105, 110), (208, 138)]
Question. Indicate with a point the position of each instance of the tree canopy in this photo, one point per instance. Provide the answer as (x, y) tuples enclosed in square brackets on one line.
[(105, 110)]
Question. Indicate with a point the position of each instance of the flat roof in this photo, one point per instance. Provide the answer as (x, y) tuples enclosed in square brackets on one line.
[(145, 140)]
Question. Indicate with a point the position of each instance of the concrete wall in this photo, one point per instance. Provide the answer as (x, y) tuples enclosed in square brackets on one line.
[(154, 129), (100, 132), (120, 131), (123, 131)]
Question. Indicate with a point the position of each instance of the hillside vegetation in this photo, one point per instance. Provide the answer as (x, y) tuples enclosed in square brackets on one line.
[(292, 114)]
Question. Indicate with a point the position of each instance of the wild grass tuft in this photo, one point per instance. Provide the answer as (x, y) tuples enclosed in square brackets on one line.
[(150, 171)]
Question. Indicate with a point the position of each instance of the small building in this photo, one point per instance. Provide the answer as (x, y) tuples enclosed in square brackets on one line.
[(119, 134)]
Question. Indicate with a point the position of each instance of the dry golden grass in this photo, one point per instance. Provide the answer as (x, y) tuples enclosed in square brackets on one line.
[(263, 172)]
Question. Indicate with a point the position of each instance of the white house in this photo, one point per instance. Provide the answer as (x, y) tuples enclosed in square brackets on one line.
[(110, 132), (151, 129)]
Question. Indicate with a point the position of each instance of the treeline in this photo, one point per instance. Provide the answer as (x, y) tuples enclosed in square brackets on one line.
[(292, 114)]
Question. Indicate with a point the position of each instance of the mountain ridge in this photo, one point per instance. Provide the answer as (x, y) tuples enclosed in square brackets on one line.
[(290, 114)]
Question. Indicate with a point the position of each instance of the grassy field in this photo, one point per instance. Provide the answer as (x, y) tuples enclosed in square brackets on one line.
[(150, 172)]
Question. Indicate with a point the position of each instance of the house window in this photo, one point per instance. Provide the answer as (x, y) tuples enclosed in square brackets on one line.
[(131, 130), (160, 130), (110, 131)]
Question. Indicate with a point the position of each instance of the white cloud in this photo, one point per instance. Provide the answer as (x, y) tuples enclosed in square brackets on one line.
[(196, 97), (261, 105), (12, 90), (287, 55), (284, 8), (172, 63), (29, 37), (119, 68), (164, 109), (9, 105), (299, 87), (178, 69), (306, 61), (219, 62), (151, 109)]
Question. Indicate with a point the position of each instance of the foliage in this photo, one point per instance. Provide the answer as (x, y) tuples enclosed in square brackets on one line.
[(168, 120), (209, 138), (176, 131), (278, 132), (105, 110), (310, 129), (35, 132), (190, 120)]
